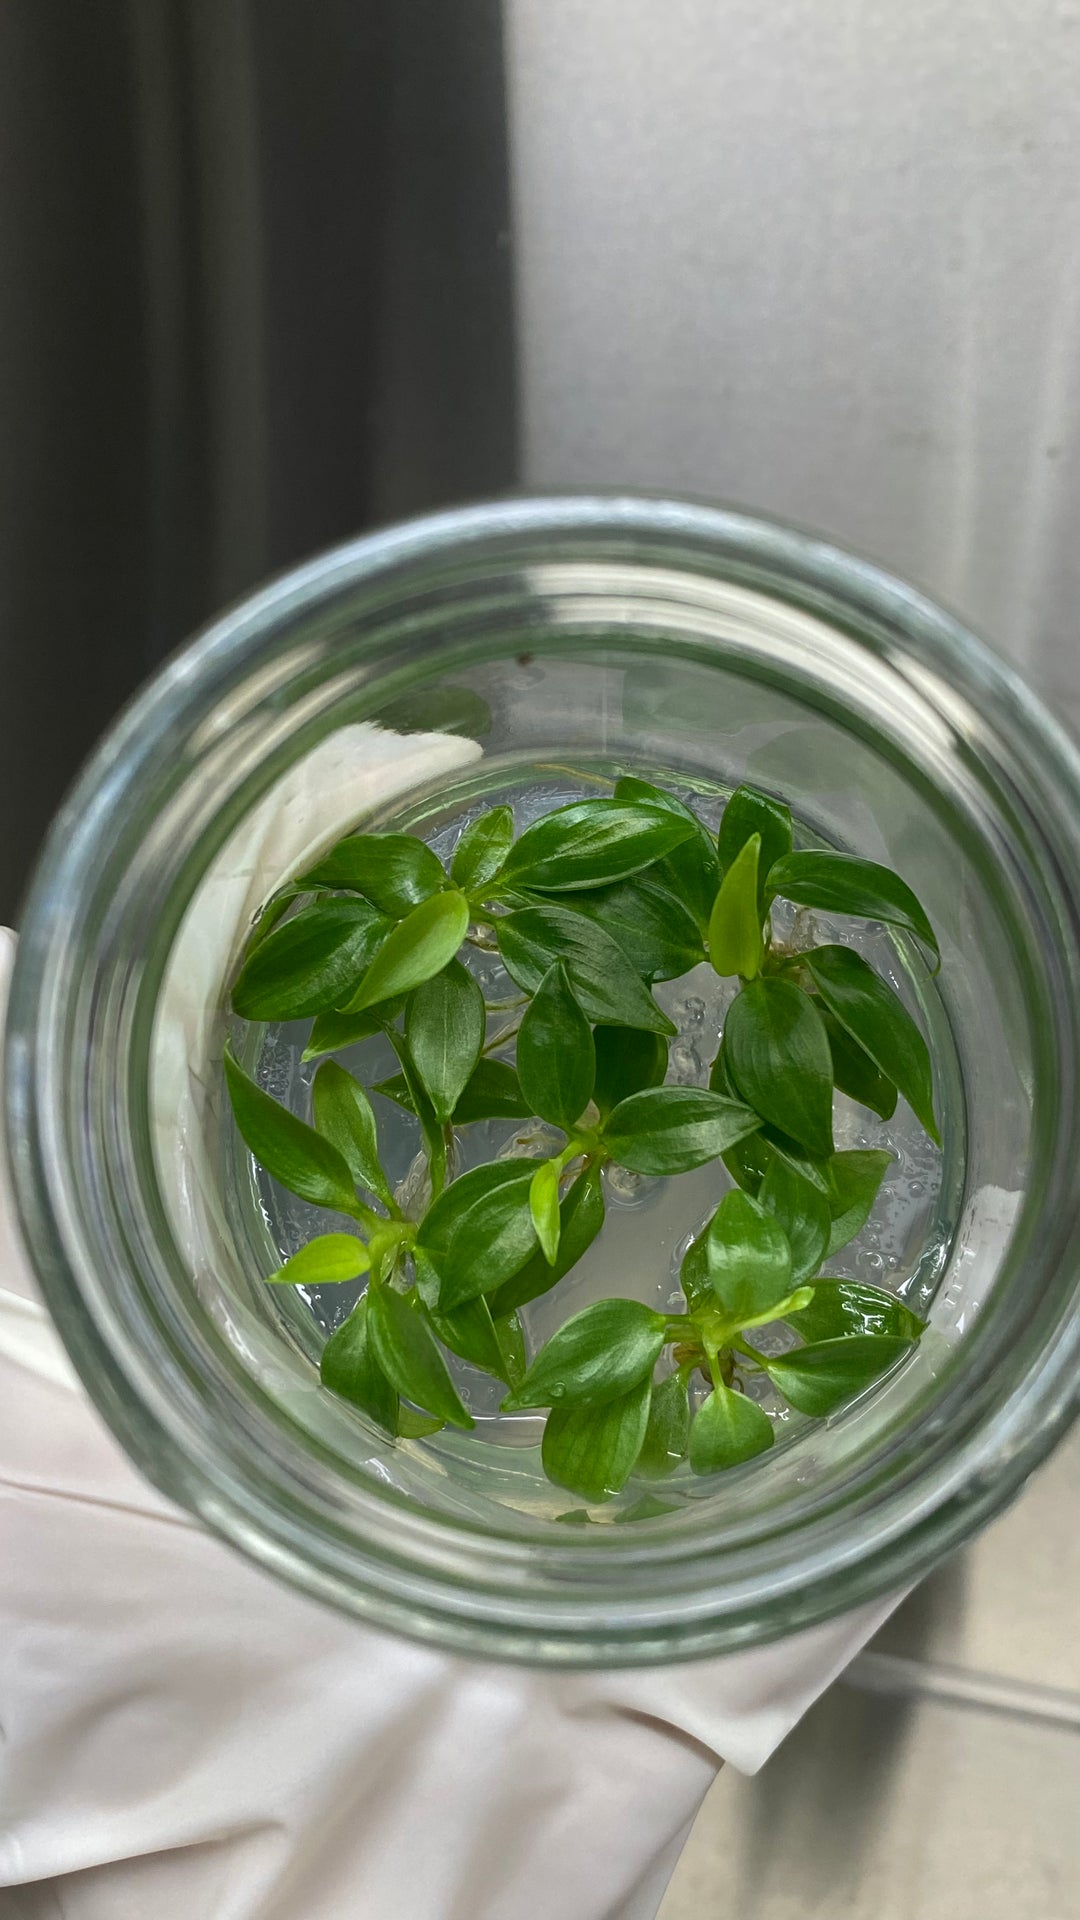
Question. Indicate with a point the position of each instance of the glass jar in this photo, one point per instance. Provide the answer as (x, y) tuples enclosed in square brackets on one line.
[(646, 635)]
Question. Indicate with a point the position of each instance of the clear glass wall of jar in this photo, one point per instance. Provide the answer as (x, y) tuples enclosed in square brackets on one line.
[(643, 634)]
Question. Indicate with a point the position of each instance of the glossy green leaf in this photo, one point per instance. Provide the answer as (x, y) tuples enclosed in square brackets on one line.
[(544, 1208), (777, 1053), (750, 811), (556, 1059), (818, 1379), (277, 905), (417, 1426), (667, 1434), (332, 1032), (842, 1307), (855, 1073), (803, 1212), (408, 1354), (653, 928), (592, 1450), (349, 1367), (470, 1333), (441, 709), (842, 883), (592, 843), (291, 1152), (627, 1061), (483, 847), (854, 1181), (581, 1216), (395, 871), (343, 1116), (445, 1022), (727, 1429), (492, 1092), (694, 1275), (329, 1258), (479, 1231), (415, 950), (310, 963), (596, 1355), (511, 1338), (878, 1020), (603, 981), (735, 943), (691, 871), (673, 1129), (749, 1257)]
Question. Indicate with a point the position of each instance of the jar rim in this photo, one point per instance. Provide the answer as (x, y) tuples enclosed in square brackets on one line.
[(412, 1575)]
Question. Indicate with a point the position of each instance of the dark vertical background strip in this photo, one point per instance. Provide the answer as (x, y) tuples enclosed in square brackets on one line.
[(256, 297)]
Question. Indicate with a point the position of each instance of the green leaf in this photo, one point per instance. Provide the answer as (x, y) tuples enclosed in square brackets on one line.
[(597, 1355), (329, 1258), (841, 1307), (855, 1073), (691, 871), (343, 1116), (556, 1059), (445, 1023), (348, 1367), (492, 1092), (803, 1212), (878, 1020), (694, 1275), (440, 709), (750, 811), (470, 1333), (483, 847), (479, 1231), (818, 1379), (749, 1257), (544, 1208), (419, 947), (292, 1153), (651, 925), (406, 1350), (581, 1216), (511, 1338), (601, 977), (668, 1432), (727, 1429), (591, 843), (627, 1061), (417, 1426), (777, 1053), (673, 1129), (395, 871), (735, 943), (591, 1450), (854, 1180), (332, 1032), (310, 963), (841, 883)]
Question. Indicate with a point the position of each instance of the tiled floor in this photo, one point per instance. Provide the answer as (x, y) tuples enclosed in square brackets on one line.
[(942, 1776)]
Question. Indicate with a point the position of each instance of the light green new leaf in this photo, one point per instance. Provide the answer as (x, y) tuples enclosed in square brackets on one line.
[(749, 1257), (750, 811), (818, 1379), (581, 1216), (668, 1432), (592, 843), (803, 1212), (544, 1208), (601, 977), (592, 1450), (777, 1054), (842, 883), (291, 1152), (479, 1231), (348, 1367), (556, 1058), (395, 871), (343, 1116), (878, 1020), (310, 963), (329, 1258), (854, 1182), (727, 1429), (483, 847), (597, 1355), (674, 1129), (445, 1021), (735, 943), (419, 947), (842, 1307), (408, 1354), (627, 1061)]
